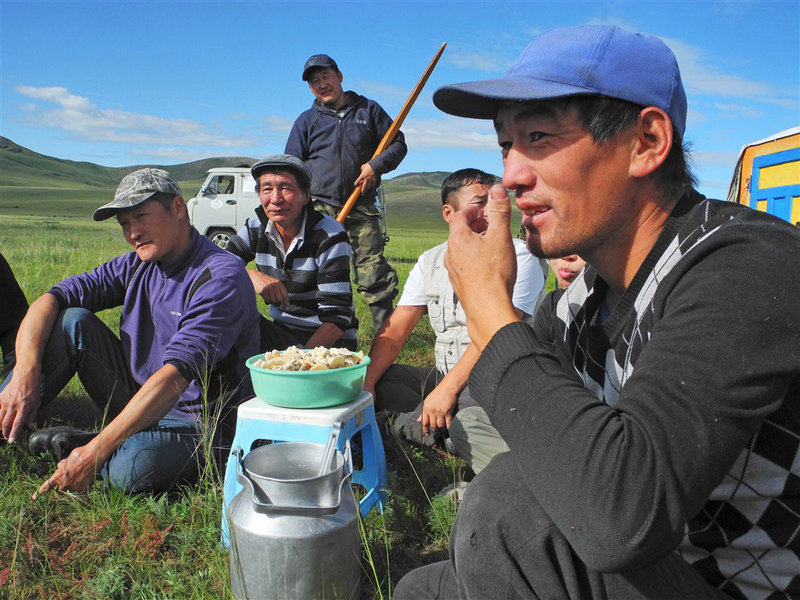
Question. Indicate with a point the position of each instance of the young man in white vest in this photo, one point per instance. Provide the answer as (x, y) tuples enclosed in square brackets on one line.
[(428, 402)]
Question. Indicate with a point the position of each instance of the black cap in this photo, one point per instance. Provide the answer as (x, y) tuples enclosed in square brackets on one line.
[(319, 61)]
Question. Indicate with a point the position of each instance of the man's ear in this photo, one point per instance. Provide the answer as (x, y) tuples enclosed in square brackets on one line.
[(447, 212), (179, 206), (652, 141)]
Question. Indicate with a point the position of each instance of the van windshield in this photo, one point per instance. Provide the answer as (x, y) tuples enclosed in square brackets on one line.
[(220, 184)]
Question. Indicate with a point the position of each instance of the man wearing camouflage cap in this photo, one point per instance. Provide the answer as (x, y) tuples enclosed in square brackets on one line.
[(188, 324)]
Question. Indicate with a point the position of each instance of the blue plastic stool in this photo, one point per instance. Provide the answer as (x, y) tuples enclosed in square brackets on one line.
[(256, 420)]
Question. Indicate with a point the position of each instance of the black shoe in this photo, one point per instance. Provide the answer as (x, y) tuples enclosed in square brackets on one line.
[(380, 311), (39, 441), (64, 442), (406, 427), (58, 440)]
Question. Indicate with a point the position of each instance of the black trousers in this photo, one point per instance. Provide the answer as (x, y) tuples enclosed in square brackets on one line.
[(504, 546), (276, 336)]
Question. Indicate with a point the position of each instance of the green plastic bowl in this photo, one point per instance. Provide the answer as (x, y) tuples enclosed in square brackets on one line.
[(307, 389)]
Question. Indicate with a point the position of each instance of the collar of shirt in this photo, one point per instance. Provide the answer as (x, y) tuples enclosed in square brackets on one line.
[(272, 233)]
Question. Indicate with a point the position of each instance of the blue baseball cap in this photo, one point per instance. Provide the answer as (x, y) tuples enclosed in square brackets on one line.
[(601, 60)]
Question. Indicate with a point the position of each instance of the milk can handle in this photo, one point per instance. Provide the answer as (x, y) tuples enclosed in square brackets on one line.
[(268, 507)]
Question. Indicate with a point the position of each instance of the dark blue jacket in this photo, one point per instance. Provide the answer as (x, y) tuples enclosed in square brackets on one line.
[(334, 147)]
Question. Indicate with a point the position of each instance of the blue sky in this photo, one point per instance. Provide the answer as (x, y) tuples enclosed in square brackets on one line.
[(125, 83)]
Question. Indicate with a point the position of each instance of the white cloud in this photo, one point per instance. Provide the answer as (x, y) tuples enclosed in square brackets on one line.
[(736, 111), (703, 78), (80, 117), (383, 92), (450, 133), (278, 124), (177, 155), (707, 160), (619, 22), (487, 63)]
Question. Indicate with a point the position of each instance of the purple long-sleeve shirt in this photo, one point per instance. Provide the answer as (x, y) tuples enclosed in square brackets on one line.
[(197, 313)]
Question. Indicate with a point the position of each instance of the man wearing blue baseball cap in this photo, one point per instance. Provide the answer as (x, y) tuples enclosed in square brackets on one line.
[(653, 411)]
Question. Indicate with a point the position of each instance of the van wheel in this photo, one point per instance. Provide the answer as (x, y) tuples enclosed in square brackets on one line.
[(221, 237)]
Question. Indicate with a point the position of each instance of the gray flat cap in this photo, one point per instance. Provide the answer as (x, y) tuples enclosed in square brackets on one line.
[(282, 161), (138, 187)]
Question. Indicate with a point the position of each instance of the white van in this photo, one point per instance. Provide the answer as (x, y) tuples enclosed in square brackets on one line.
[(228, 198), (225, 201)]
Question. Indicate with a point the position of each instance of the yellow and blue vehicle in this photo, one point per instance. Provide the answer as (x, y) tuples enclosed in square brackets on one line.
[(767, 176)]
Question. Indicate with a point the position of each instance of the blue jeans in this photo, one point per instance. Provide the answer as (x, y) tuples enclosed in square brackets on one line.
[(152, 460)]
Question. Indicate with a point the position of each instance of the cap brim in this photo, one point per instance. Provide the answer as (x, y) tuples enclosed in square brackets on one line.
[(103, 213), (309, 69), (112, 208), (482, 99)]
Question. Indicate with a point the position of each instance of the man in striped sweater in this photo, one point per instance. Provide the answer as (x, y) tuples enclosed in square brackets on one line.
[(302, 261)]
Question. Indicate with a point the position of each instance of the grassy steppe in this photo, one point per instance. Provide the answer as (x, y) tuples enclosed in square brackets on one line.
[(105, 545)]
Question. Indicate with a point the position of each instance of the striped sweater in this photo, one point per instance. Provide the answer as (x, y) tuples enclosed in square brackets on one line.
[(315, 271)]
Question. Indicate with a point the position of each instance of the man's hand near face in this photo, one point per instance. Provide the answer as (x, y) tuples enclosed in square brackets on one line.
[(481, 262)]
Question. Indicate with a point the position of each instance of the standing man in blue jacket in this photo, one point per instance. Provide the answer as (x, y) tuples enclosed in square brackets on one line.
[(336, 138), (188, 323)]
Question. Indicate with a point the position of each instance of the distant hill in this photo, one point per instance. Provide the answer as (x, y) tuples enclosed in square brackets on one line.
[(22, 167), (32, 183)]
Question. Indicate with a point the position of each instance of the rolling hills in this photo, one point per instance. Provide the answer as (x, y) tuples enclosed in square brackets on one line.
[(35, 184)]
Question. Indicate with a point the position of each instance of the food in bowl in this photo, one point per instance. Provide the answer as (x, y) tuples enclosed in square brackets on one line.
[(319, 388), (318, 359)]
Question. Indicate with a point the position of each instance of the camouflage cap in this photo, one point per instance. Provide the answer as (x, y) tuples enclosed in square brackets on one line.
[(138, 187)]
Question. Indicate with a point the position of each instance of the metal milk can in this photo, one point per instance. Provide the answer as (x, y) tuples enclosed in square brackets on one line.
[(294, 525)]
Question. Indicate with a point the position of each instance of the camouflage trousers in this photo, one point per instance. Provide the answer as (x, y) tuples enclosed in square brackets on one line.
[(374, 277)]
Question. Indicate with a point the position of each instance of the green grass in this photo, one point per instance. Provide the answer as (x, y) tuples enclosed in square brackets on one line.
[(103, 544)]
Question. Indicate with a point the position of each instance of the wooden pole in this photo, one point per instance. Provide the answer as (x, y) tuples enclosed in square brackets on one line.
[(390, 134)]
